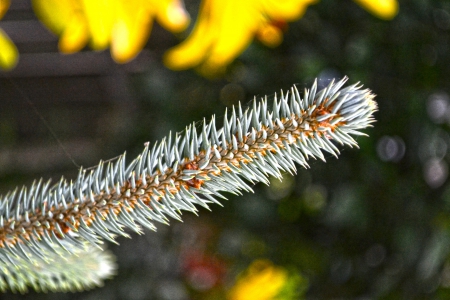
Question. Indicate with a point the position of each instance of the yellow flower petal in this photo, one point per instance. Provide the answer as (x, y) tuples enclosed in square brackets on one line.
[(234, 36), (100, 16), (221, 33), (170, 14), (55, 14), (383, 9), (9, 55), (4, 5), (225, 28), (131, 30), (191, 52), (75, 35), (124, 25)]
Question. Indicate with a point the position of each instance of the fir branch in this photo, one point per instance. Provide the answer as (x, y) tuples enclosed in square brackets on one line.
[(59, 272), (180, 172)]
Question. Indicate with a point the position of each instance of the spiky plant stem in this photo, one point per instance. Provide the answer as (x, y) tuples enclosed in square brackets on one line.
[(177, 174), (60, 272)]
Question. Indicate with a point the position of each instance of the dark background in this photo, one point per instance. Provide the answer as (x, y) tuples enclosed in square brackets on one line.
[(373, 224)]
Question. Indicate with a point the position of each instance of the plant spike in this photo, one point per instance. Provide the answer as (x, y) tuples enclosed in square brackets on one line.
[(43, 222), (83, 270)]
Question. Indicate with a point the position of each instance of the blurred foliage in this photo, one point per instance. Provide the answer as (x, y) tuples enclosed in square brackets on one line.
[(373, 224)]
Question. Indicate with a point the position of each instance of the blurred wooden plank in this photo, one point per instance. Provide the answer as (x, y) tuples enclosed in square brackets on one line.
[(27, 31), (20, 5), (56, 64), (77, 64), (44, 157)]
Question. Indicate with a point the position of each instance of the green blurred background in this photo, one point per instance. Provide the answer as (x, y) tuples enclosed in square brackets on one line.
[(373, 224)]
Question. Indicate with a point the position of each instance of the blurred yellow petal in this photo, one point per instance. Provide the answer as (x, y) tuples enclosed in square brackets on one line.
[(170, 14), (55, 14), (225, 28), (234, 36), (383, 9), (8, 52), (4, 5), (192, 51), (66, 19), (261, 281), (100, 15), (123, 25), (131, 30), (221, 33), (75, 35)]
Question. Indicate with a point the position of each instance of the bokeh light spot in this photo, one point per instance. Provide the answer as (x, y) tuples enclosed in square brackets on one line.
[(438, 107), (434, 145), (435, 172), (202, 278), (341, 270), (171, 290), (315, 197), (441, 19), (390, 148), (279, 189)]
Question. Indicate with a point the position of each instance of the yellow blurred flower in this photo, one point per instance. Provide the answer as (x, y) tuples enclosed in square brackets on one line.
[(225, 28), (261, 281), (123, 25), (383, 9), (8, 51)]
